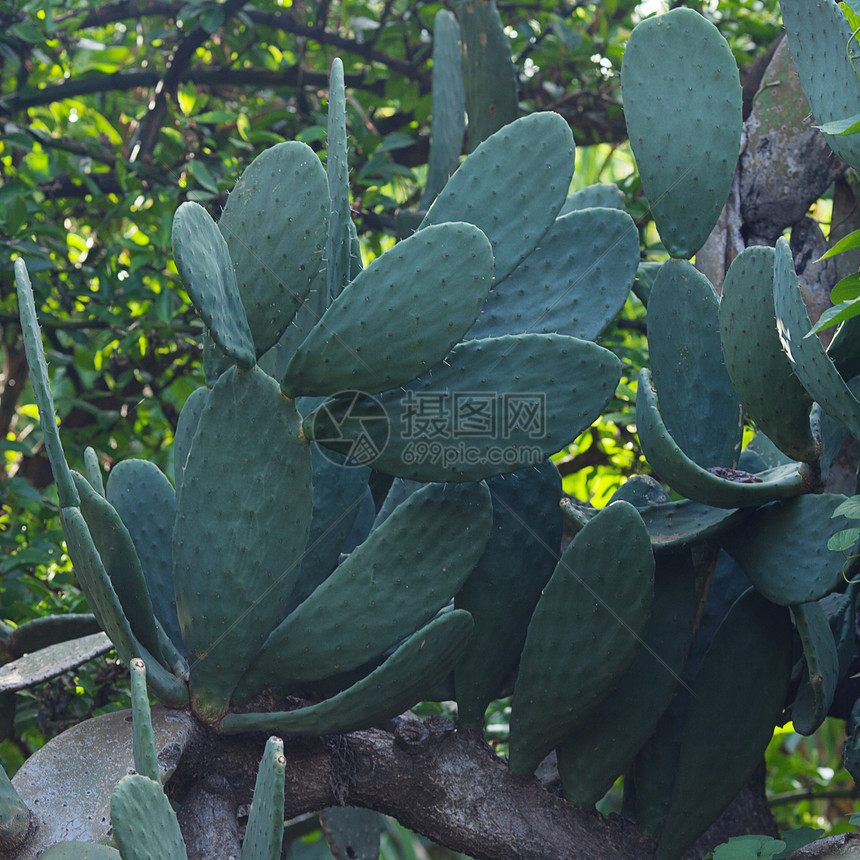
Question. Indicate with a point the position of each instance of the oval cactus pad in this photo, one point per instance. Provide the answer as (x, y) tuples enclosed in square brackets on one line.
[(399, 317), (407, 569), (511, 187), (204, 263), (494, 405), (275, 224), (241, 525), (685, 137), (584, 633)]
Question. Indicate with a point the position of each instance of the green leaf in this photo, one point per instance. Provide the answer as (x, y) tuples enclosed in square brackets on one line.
[(16, 215), (851, 10), (844, 540), (849, 508), (749, 848), (212, 19), (26, 32), (795, 839), (846, 243), (216, 117), (835, 315), (855, 818), (851, 125), (202, 175), (846, 290)]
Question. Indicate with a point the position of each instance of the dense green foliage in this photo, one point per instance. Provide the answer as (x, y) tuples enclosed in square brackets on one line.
[(113, 120)]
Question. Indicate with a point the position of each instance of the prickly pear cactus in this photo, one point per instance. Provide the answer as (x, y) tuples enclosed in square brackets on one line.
[(264, 587)]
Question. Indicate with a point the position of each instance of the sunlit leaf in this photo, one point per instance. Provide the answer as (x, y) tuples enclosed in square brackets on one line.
[(851, 125), (835, 315), (846, 290), (846, 243), (851, 10)]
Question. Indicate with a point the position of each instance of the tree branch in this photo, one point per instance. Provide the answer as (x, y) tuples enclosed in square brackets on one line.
[(110, 13), (140, 78), (435, 778), (287, 23), (166, 88)]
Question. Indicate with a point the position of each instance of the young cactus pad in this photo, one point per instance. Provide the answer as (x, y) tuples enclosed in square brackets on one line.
[(265, 830), (144, 824)]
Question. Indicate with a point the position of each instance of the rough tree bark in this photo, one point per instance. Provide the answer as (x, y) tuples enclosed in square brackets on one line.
[(433, 776)]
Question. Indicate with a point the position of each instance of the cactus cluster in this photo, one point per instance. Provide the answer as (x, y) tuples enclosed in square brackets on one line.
[(264, 566)]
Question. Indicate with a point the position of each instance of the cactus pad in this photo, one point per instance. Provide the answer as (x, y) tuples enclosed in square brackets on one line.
[(761, 374), (685, 138), (601, 195), (575, 283), (448, 120), (688, 369), (736, 701), (41, 383), (597, 752), (339, 492), (407, 569), (818, 37), (119, 557), (501, 385), (420, 663), (511, 187), (776, 549), (241, 526), (821, 673), (265, 830), (144, 824), (106, 607), (93, 470), (14, 817), (204, 263), (489, 74), (145, 754), (50, 661), (505, 586), (399, 317), (674, 467), (146, 503), (186, 427), (584, 633), (809, 361), (275, 223), (338, 244)]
